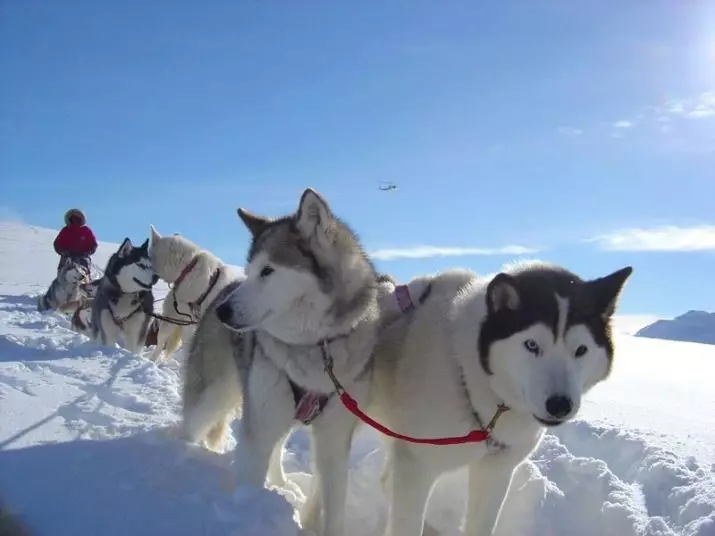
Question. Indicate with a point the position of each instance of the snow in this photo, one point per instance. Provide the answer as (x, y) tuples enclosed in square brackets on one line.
[(693, 326), (87, 444)]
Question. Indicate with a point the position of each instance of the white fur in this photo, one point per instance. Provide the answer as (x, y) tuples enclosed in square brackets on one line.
[(419, 391), (170, 255), (287, 303), (130, 330), (288, 314)]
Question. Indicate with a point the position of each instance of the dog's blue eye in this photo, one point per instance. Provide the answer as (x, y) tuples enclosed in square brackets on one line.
[(531, 346), (581, 351), (267, 270)]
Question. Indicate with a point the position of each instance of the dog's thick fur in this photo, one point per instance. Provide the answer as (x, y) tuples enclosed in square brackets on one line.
[(65, 289), (307, 280), (171, 256), (536, 338), (124, 300)]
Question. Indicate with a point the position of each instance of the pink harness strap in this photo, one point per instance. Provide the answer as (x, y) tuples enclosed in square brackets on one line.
[(310, 406), (402, 293)]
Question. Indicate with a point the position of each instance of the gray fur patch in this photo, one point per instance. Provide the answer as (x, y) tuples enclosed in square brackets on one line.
[(284, 246)]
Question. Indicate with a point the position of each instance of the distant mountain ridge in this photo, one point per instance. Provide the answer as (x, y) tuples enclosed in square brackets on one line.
[(693, 326)]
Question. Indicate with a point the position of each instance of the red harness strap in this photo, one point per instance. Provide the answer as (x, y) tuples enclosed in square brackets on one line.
[(193, 306), (186, 271), (475, 436)]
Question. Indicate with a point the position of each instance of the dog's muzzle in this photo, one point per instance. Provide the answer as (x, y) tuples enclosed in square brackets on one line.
[(559, 408), (142, 284), (224, 312)]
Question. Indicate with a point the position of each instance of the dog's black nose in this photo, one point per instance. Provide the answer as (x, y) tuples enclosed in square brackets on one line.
[(559, 406), (154, 279), (224, 312)]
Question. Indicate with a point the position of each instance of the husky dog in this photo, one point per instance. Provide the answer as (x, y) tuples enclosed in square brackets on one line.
[(529, 342), (124, 301), (65, 288), (309, 288), (196, 277)]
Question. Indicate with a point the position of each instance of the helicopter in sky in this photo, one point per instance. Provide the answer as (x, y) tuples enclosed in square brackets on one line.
[(387, 186)]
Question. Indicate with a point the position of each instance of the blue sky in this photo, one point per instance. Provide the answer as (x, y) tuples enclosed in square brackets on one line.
[(581, 130)]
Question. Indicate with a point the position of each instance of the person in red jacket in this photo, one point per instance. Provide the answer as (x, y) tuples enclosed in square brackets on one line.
[(75, 240)]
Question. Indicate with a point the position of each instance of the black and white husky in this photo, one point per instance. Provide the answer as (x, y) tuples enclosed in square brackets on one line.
[(66, 288), (124, 301), (533, 340)]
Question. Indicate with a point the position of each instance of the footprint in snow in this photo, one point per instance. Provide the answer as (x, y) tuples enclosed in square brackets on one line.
[(23, 386), (127, 402), (73, 413), (23, 348)]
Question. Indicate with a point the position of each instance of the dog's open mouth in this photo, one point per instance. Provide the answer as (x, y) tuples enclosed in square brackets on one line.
[(141, 283), (549, 422)]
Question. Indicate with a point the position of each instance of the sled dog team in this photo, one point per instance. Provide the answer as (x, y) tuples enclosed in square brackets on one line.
[(455, 369)]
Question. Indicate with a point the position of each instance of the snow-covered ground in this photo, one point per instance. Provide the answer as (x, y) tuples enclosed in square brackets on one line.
[(86, 444)]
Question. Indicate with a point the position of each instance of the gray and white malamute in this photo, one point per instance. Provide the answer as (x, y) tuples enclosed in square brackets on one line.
[(309, 288), (522, 347), (124, 301), (66, 288)]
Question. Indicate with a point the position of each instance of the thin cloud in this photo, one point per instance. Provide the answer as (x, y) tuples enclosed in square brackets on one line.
[(701, 111), (623, 123), (701, 106), (676, 108), (570, 131), (667, 238), (424, 252)]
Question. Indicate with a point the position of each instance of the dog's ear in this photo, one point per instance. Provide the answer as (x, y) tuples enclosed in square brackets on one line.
[(502, 294), (126, 248), (256, 224), (606, 290), (154, 233), (313, 216), (145, 245)]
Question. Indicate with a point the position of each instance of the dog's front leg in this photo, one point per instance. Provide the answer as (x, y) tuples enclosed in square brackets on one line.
[(412, 483), (108, 330), (268, 412), (162, 334), (332, 437), (489, 481)]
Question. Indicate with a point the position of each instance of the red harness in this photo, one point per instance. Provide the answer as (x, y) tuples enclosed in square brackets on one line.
[(195, 305), (475, 436)]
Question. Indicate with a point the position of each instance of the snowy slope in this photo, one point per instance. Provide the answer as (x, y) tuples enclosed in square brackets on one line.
[(693, 326), (29, 263), (86, 443)]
